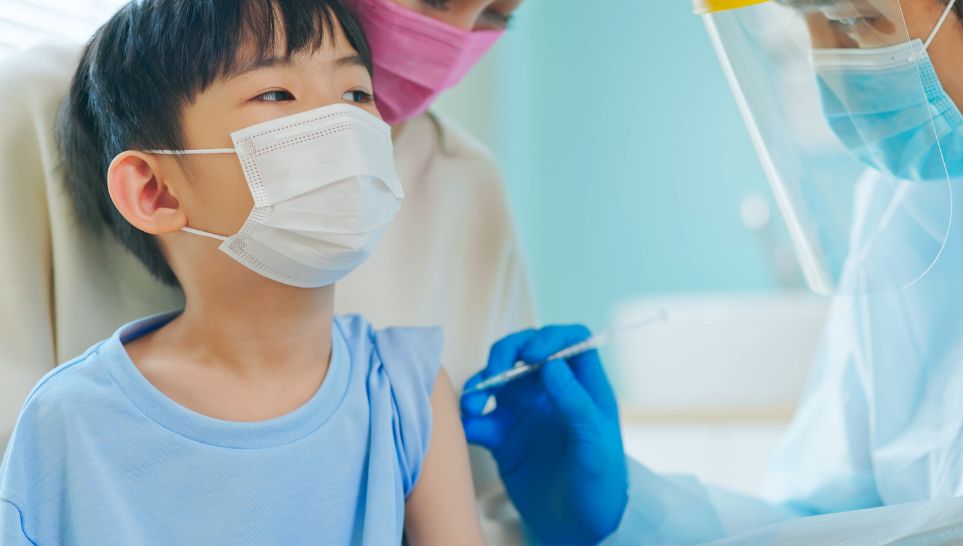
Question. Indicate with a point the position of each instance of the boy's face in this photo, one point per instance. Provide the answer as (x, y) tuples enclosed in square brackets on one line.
[(212, 190)]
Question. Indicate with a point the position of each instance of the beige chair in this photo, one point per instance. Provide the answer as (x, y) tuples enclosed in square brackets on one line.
[(59, 282)]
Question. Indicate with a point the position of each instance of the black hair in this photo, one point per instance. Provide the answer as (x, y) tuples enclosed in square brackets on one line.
[(149, 60), (958, 8)]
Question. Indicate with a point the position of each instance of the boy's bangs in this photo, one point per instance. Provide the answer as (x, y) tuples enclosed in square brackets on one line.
[(254, 31)]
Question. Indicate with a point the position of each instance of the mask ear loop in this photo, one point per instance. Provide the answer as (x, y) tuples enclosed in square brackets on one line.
[(939, 24), (203, 233), (212, 151)]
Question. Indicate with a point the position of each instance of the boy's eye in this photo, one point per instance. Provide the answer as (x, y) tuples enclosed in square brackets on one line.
[(359, 96), (278, 95)]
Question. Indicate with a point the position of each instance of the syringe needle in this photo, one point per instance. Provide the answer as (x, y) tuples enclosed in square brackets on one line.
[(522, 369)]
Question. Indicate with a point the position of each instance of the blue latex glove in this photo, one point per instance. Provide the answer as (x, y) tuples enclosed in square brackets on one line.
[(556, 437)]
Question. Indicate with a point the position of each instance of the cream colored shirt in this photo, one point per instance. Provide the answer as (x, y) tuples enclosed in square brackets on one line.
[(450, 258)]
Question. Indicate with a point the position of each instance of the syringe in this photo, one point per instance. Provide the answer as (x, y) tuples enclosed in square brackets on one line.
[(521, 369)]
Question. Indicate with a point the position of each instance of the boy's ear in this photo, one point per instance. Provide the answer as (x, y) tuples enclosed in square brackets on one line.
[(138, 191)]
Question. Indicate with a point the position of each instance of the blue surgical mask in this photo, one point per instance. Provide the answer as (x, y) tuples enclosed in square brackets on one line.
[(888, 108)]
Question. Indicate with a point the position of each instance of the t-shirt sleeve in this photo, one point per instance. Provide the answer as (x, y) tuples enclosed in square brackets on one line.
[(11, 526), (412, 360)]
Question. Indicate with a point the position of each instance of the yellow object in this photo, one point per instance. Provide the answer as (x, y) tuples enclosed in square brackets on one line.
[(704, 7)]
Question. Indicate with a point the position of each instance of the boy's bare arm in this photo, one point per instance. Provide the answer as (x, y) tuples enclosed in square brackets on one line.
[(441, 510)]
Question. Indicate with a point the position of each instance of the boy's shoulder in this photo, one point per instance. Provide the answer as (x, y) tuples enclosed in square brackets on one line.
[(409, 355), (71, 384), (89, 381), (422, 341)]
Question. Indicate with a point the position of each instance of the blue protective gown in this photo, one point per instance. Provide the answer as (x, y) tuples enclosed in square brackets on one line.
[(880, 422)]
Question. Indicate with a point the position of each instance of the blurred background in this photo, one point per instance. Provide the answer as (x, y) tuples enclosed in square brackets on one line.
[(634, 187)]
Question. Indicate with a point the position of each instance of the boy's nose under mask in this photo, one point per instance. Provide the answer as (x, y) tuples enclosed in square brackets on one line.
[(325, 189)]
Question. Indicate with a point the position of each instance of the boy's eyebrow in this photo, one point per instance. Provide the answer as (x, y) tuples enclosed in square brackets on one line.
[(351, 60), (251, 65)]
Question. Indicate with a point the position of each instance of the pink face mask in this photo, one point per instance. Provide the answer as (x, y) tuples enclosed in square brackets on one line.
[(416, 58)]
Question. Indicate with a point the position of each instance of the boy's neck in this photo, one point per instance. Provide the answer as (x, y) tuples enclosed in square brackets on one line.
[(269, 329)]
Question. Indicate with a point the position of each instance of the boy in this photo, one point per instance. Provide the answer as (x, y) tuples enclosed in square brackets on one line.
[(252, 416)]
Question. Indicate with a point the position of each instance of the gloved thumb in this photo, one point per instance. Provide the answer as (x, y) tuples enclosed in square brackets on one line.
[(483, 430), (567, 394)]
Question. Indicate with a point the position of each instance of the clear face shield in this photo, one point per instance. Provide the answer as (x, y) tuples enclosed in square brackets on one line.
[(858, 139)]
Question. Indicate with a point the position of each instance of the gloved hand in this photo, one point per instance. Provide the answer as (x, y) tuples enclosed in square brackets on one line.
[(555, 436)]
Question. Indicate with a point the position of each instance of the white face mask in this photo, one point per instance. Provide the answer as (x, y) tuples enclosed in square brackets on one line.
[(324, 187)]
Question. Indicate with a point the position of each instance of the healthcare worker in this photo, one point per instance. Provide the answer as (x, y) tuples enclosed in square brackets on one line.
[(450, 258), (853, 109)]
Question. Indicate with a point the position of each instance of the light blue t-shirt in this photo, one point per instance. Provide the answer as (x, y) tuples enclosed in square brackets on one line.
[(100, 456)]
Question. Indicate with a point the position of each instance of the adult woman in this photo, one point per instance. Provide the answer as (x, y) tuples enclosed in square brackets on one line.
[(449, 258)]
